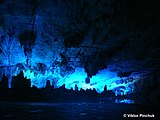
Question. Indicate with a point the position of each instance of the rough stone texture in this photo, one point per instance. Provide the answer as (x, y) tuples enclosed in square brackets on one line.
[(122, 36)]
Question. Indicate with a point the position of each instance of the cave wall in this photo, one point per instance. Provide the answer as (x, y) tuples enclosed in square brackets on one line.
[(54, 39)]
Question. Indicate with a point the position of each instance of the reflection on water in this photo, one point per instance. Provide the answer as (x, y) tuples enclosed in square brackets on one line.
[(71, 111), (127, 101)]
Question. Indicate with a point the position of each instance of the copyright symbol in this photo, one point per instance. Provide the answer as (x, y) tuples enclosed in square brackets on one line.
[(124, 115)]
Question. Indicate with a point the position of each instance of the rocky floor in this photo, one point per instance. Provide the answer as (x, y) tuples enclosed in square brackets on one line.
[(72, 111)]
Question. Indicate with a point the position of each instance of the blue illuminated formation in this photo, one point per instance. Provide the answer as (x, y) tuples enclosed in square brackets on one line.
[(70, 42), (121, 86), (39, 73)]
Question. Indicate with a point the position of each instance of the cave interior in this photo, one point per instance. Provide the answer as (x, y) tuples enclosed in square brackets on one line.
[(81, 45)]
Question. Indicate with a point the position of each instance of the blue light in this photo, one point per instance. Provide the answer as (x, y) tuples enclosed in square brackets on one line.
[(126, 101), (102, 78)]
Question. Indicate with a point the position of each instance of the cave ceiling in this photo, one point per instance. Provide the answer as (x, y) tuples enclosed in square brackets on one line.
[(119, 35)]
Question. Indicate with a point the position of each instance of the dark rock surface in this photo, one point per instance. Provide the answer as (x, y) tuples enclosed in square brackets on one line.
[(57, 36), (99, 32)]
